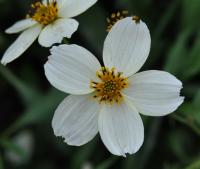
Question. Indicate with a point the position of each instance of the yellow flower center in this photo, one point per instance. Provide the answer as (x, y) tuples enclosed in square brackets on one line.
[(115, 17), (109, 89), (44, 13), (136, 19)]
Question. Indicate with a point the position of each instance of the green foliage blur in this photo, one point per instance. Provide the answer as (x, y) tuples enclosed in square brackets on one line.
[(27, 100)]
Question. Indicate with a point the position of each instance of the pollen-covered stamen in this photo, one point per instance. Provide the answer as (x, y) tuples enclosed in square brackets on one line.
[(136, 18), (114, 18), (44, 13), (110, 85)]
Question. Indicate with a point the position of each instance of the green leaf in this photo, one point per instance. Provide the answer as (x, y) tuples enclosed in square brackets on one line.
[(190, 110), (196, 101), (193, 60), (1, 162), (38, 111), (149, 144), (27, 94), (159, 40), (186, 116), (178, 53), (41, 108), (194, 165), (166, 18), (190, 13), (7, 144), (178, 142)]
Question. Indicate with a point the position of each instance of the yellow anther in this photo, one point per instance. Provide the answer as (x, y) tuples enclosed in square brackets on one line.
[(115, 17), (118, 16), (44, 13), (109, 88), (136, 19)]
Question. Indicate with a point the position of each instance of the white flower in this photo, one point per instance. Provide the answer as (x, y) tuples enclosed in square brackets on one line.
[(102, 98), (51, 21)]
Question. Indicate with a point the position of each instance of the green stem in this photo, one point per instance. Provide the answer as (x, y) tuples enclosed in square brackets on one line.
[(187, 123), (165, 19), (150, 143), (1, 162), (25, 92), (8, 131), (194, 165)]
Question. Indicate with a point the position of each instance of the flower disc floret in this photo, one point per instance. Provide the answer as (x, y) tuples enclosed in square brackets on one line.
[(110, 85), (114, 17), (44, 14)]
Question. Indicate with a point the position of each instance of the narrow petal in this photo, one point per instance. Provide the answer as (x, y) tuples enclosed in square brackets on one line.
[(127, 46), (54, 33), (154, 93), (21, 44), (71, 8), (76, 119), (121, 129), (70, 68), (21, 26)]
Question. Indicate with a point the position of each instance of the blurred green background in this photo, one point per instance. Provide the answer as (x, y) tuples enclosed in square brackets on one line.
[(27, 101)]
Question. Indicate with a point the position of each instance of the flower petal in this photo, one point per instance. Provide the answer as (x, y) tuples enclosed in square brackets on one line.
[(70, 68), (24, 40), (71, 8), (121, 129), (21, 25), (54, 33), (76, 119), (154, 93), (127, 46)]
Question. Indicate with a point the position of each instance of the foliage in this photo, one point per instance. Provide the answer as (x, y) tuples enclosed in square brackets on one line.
[(28, 101)]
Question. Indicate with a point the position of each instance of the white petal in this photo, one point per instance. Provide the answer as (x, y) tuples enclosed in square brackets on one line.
[(76, 119), (70, 68), (127, 46), (23, 42), (71, 8), (154, 93), (121, 129), (21, 25), (55, 32), (45, 2)]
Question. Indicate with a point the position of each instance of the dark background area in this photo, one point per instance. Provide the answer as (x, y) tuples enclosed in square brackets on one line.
[(27, 100)]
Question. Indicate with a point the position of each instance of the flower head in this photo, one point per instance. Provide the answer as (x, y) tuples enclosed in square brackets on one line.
[(50, 20), (44, 13), (109, 99)]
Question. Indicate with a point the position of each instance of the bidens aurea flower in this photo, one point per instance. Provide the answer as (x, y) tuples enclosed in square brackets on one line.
[(109, 99), (51, 20)]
